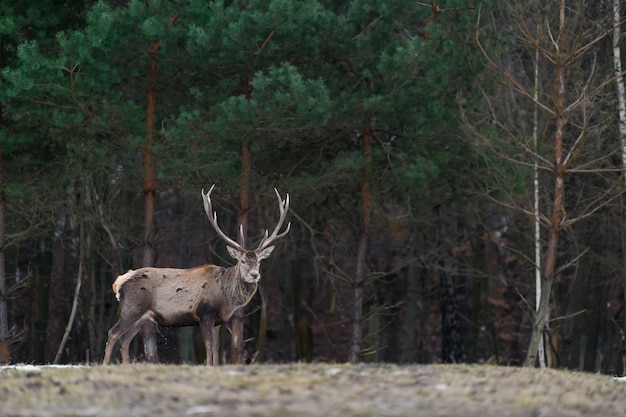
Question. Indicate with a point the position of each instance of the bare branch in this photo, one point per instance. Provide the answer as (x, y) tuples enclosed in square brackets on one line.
[(575, 149), (581, 50), (513, 206), (70, 321), (546, 164), (593, 206), (594, 93), (521, 24), (571, 262), (568, 316), (556, 45), (516, 85)]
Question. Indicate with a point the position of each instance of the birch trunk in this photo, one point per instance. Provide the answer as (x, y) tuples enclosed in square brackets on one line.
[(619, 81), (537, 223), (621, 105), (558, 201)]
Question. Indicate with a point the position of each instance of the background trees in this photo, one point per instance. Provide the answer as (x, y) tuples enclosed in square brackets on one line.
[(567, 93), (399, 251)]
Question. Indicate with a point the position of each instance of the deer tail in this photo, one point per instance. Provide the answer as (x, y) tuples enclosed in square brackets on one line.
[(121, 279)]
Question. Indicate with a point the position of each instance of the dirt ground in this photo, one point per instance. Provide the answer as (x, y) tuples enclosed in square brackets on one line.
[(307, 390)]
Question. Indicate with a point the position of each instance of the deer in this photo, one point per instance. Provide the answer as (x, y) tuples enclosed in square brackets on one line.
[(206, 295)]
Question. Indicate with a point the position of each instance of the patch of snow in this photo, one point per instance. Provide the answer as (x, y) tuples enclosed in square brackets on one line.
[(401, 371), (37, 368), (202, 409), (90, 411), (333, 371), (442, 387), (231, 372)]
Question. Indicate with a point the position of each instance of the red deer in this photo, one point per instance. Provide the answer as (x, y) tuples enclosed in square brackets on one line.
[(205, 295)]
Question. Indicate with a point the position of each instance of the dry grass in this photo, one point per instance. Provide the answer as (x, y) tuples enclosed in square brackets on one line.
[(307, 390)]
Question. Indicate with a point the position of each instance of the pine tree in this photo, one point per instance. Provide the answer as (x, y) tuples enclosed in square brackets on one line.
[(23, 23)]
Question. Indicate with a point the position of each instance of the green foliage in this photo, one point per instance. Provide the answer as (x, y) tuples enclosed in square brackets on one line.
[(314, 71), (282, 99)]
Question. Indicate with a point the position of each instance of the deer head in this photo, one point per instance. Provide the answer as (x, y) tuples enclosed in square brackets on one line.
[(249, 261)]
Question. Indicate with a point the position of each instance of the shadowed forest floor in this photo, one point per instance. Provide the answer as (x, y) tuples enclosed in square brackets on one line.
[(307, 390)]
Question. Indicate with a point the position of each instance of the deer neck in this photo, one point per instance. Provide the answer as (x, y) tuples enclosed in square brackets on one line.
[(237, 288)]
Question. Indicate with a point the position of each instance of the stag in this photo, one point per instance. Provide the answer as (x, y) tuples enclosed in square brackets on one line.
[(206, 295)]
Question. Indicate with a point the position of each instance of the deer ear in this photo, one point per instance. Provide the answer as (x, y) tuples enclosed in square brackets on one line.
[(233, 252), (266, 252)]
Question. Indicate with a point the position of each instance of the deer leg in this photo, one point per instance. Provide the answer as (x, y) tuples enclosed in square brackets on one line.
[(114, 335), (215, 340), (128, 336), (148, 332), (210, 337), (124, 330)]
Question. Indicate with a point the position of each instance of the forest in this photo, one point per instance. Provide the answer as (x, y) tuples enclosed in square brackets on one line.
[(455, 170)]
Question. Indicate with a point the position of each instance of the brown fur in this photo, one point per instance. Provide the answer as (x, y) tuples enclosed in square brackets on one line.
[(206, 295)]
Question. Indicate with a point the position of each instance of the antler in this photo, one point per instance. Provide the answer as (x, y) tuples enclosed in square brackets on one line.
[(283, 206), (208, 208)]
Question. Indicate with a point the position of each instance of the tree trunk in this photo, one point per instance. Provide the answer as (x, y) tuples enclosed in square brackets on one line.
[(300, 278), (452, 346), (621, 102), (412, 301), (259, 355), (56, 294), (82, 262), (5, 353), (536, 219), (496, 300), (357, 301), (149, 192), (4, 308), (360, 274), (558, 201), (595, 325), (619, 81), (236, 322), (93, 317), (149, 184), (185, 334)]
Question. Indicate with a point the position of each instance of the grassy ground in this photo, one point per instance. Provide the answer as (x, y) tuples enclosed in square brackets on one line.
[(307, 390)]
